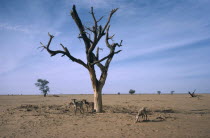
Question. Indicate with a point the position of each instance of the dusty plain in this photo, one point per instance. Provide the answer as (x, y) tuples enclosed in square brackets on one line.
[(170, 116)]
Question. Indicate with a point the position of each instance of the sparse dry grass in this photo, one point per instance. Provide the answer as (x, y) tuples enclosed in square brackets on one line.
[(169, 116)]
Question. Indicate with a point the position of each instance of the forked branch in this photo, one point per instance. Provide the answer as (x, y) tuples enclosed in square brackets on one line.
[(109, 19), (106, 57), (65, 51), (99, 31)]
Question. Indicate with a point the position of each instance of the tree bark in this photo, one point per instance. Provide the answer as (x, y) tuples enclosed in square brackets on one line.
[(98, 100), (97, 88)]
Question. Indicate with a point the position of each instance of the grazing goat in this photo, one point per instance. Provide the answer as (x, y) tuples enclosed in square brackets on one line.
[(77, 105), (142, 112), (88, 104)]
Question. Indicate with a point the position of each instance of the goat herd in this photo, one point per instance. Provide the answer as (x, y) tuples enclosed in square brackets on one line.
[(78, 105)]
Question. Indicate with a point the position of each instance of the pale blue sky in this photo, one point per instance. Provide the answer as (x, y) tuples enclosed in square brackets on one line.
[(166, 45)]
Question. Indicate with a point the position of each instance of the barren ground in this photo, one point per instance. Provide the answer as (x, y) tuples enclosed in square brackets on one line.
[(174, 116)]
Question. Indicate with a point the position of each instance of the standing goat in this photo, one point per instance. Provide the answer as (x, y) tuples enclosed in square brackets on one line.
[(88, 104), (142, 112), (77, 105)]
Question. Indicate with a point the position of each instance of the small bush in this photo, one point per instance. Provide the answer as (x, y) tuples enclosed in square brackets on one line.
[(172, 92), (132, 91)]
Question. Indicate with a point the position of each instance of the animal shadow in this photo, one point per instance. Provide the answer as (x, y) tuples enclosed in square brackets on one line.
[(153, 120)]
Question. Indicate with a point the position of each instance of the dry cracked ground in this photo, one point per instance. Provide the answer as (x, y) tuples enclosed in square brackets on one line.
[(174, 116)]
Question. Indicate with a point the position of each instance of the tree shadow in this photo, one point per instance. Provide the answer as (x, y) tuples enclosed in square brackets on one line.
[(153, 120), (166, 111)]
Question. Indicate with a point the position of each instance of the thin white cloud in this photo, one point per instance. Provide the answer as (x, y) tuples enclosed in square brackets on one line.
[(18, 28)]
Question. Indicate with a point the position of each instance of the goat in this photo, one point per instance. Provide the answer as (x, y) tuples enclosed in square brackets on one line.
[(77, 105), (88, 104), (142, 112)]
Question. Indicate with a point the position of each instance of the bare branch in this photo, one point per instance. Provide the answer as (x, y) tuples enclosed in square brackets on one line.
[(88, 28), (99, 64), (107, 37), (62, 46), (52, 53), (101, 30), (87, 33), (93, 15), (111, 37), (97, 53), (80, 26), (65, 52), (108, 63), (109, 19), (43, 47), (117, 44), (95, 32), (100, 19), (120, 43), (106, 57), (117, 52)]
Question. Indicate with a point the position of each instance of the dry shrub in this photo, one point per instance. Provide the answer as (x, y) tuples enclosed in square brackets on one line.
[(29, 107)]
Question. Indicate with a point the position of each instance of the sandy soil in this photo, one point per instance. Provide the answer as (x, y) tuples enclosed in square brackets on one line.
[(174, 116)]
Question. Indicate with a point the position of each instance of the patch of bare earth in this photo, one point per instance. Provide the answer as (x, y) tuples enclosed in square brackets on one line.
[(175, 116)]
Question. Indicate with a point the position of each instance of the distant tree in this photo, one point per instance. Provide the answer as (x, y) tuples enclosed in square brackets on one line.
[(159, 92), (192, 94), (42, 84), (172, 92), (118, 93), (132, 91)]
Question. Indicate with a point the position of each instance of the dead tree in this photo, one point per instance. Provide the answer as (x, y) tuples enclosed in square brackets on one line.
[(192, 94), (97, 32)]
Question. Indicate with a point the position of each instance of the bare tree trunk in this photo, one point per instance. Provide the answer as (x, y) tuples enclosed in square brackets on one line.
[(98, 101), (97, 88)]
